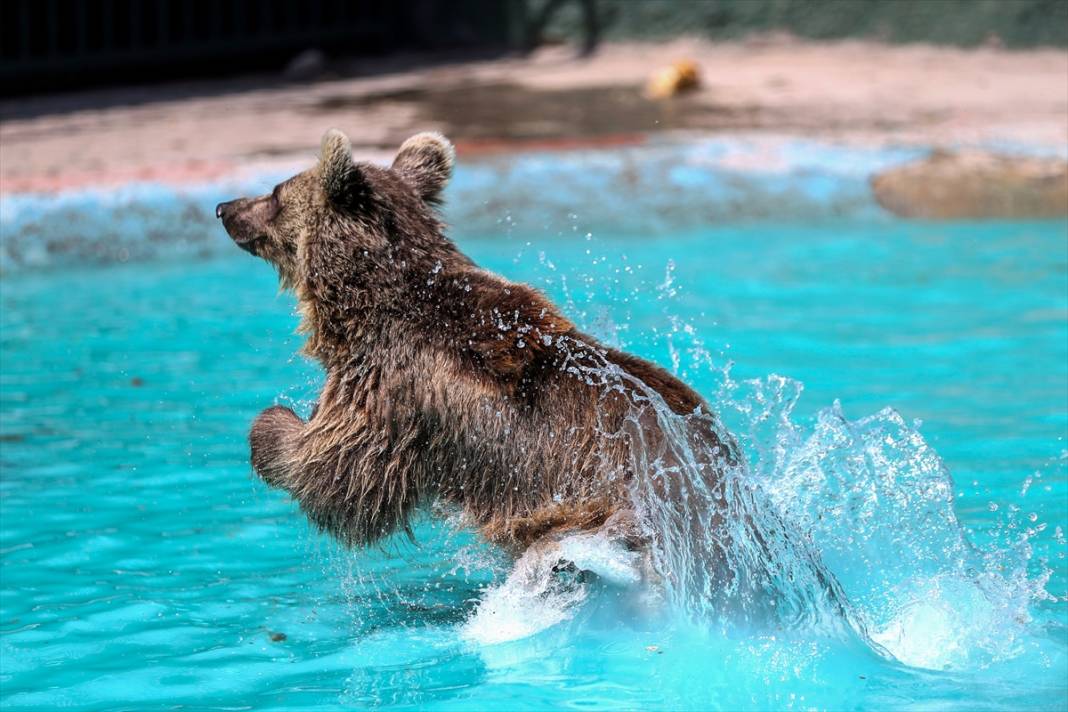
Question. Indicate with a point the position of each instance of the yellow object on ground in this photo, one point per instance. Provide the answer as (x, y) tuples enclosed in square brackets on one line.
[(683, 75)]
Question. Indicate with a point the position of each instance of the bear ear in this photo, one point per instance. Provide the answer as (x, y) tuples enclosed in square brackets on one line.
[(425, 161), (339, 175)]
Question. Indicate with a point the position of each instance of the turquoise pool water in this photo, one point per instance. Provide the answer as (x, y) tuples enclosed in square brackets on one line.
[(144, 567)]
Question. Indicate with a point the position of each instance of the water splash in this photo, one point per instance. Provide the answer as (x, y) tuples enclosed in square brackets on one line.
[(841, 528), (533, 597), (722, 549), (877, 502)]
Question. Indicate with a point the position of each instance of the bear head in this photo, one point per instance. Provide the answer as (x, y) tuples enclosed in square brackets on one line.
[(345, 232)]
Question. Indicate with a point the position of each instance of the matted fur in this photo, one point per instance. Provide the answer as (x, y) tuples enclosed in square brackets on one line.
[(443, 381)]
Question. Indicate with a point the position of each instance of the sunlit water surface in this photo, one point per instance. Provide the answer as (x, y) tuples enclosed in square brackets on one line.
[(925, 460)]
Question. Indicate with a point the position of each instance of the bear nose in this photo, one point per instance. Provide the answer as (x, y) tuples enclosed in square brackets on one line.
[(220, 207)]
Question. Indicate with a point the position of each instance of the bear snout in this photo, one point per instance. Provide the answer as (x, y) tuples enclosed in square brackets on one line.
[(237, 223)]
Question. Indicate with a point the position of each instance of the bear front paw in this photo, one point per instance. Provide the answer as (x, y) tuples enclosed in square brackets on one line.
[(271, 441)]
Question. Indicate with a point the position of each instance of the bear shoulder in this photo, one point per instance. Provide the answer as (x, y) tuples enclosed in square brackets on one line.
[(502, 328)]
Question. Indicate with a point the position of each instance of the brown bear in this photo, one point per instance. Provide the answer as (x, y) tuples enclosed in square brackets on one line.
[(444, 382)]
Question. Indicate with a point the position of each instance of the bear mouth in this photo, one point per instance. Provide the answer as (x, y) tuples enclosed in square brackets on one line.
[(249, 244), (239, 232)]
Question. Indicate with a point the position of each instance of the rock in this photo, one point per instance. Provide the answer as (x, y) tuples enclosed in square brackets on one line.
[(975, 184), (309, 64)]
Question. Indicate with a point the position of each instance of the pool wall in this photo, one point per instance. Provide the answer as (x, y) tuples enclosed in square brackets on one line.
[(651, 189)]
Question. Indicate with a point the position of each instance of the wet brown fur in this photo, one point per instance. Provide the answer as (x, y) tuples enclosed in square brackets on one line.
[(443, 381)]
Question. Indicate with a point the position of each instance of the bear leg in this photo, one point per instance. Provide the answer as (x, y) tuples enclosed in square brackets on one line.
[(273, 441)]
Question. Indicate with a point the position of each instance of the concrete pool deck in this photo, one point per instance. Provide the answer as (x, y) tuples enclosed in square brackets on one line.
[(855, 93)]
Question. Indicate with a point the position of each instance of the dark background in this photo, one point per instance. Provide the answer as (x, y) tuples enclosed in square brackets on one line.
[(49, 45)]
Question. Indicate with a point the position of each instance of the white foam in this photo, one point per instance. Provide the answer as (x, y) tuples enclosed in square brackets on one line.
[(607, 558), (533, 597), (950, 622)]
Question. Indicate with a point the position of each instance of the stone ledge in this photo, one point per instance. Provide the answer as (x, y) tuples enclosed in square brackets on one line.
[(974, 184)]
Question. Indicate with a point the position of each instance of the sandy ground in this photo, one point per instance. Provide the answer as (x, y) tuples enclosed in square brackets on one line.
[(848, 91)]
